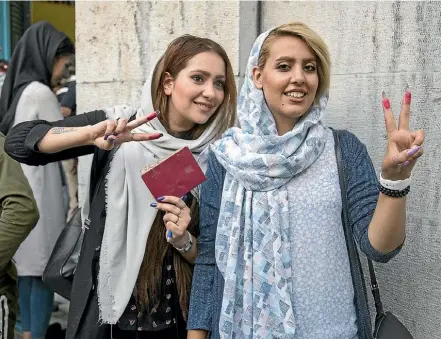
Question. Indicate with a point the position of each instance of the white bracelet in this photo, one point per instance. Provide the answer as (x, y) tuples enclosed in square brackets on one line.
[(395, 185)]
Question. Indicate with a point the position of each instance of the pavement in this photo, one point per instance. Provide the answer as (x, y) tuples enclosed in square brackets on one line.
[(60, 315)]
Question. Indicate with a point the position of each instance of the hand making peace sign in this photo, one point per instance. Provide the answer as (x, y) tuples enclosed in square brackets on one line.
[(109, 133), (404, 147)]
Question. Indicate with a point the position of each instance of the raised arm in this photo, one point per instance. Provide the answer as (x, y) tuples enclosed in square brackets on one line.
[(23, 139), (40, 142), (363, 197), (404, 147), (104, 134)]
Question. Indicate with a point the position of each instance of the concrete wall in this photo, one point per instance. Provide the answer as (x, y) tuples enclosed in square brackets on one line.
[(119, 42), (378, 46), (375, 46)]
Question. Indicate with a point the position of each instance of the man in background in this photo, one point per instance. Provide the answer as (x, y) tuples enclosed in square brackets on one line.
[(18, 215)]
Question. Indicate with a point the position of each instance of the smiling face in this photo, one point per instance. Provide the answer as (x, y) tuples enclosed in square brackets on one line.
[(196, 92), (289, 80)]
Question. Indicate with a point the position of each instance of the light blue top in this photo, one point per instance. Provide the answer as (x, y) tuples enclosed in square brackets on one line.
[(322, 283)]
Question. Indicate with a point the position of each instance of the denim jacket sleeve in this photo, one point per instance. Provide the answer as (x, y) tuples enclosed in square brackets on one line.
[(202, 298), (362, 192)]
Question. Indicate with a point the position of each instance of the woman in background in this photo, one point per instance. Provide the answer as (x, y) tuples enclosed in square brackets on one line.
[(37, 64)]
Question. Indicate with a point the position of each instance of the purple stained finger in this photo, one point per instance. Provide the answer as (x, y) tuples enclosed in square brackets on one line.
[(413, 150)]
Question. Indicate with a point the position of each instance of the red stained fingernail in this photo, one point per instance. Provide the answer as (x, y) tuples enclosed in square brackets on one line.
[(386, 103), (155, 136), (106, 136), (153, 115), (407, 97)]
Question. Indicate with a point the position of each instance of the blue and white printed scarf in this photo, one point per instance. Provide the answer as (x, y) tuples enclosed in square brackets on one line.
[(253, 249)]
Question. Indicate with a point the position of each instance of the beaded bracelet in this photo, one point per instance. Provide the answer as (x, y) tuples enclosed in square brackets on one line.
[(394, 193)]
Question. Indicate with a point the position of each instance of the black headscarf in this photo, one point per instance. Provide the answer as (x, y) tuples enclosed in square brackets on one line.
[(32, 60)]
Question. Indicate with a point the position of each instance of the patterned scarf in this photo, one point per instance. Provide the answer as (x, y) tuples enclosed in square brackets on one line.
[(253, 250)]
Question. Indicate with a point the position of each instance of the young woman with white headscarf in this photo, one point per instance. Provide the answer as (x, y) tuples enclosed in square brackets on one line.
[(128, 275)]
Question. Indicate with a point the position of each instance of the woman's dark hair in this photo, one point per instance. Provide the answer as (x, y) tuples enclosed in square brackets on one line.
[(66, 48), (32, 60)]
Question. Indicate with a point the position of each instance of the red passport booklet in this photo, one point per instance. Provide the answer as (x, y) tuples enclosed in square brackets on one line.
[(175, 175)]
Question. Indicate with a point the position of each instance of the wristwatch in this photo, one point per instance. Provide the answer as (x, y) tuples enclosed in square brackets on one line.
[(187, 246)]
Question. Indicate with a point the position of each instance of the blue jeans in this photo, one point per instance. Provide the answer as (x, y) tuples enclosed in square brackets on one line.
[(35, 304)]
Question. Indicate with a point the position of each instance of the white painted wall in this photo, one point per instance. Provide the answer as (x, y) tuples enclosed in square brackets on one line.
[(375, 46)]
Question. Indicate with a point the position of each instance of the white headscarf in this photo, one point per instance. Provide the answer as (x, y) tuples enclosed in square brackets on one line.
[(129, 215)]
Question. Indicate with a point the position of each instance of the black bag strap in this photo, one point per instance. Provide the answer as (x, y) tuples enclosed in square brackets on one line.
[(375, 289), (348, 230)]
